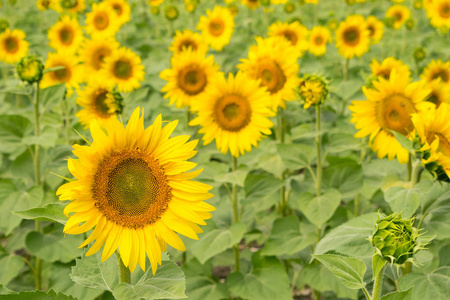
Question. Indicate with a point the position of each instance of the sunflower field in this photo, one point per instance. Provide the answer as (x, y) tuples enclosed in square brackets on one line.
[(225, 149)]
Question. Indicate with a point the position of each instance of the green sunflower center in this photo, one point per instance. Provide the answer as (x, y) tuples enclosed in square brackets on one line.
[(101, 21), (192, 79), (232, 112), (271, 75), (216, 27), (98, 56), (351, 36), (62, 75), (100, 102), (444, 10), (11, 45), (66, 35), (394, 113), (123, 69)]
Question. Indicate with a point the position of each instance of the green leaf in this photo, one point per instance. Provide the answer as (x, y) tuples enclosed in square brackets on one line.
[(286, 238), (440, 206), (377, 264), (167, 283), (404, 141), (36, 295), (52, 212), (435, 285), (349, 270), (267, 280), (236, 177), (12, 129), (53, 94), (5, 291), (296, 156), (444, 258), (45, 139), (439, 225), (347, 88), (340, 142), (257, 186), (403, 200), (399, 295), (11, 265), (345, 175), (319, 209)]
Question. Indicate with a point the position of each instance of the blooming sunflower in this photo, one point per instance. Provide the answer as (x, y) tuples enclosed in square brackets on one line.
[(44, 4), (12, 45), (388, 108), (376, 29), (275, 2), (70, 6), (294, 32), (71, 75), (352, 37), (440, 92), (217, 28), (385, 68), (252, 4), (131, 184), (235, 114), (190, 77), (122, 9), (66, 35), (318, 39), (312, 90), (102, 22), (274, 63), (123, 68), (437, 69), (399, 13), (439, 13), (155, 2), (188, 39), (93, 54)]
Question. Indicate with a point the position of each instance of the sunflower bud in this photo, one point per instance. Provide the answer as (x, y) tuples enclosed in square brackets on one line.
[(389, 22), (409, 24), (418, 4), (419, 54), (289, 7), (332, 24), (171, 12), (312, 90), (30, 69), (3, 25), (233, 9), (154, 10)]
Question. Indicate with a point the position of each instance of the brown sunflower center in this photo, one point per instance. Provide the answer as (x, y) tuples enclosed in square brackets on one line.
[(398, 16), (66, 35), (385, 73), (130, 188), (232, 112), (442, 74), (192, 80), (100, 102), (45, 3), (123, 69), (371, 30), (216, 27), (11, 45), (444, 10), (98, 56), (271, 75), (351, 36), (62, 75), (290, 36), (394, 113), (186, 44), (101, 20), (118, 8), (318, 40)]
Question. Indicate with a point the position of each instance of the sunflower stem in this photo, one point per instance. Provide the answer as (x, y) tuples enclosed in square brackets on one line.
[(319, 156), (409, 167), (366, 293), (124, 272), (280, 125), (66, 119), (235, 216), (346, 65), (378, 285), (416, 172)]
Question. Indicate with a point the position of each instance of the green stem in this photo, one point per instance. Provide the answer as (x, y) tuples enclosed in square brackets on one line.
[(347, 62), (419, 225), (319, 156), (235, 217), (366, 293), (378, 285), (416, 172), (409, 167), (124, 272), (357, 204), (67, 121), (280, 125)]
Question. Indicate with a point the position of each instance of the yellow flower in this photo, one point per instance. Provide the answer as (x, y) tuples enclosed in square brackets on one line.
[(155, 2), (217, 28), (440, 92), (190, 78), (376, 29), (188, 39), (399, 13), (388, 108), (278, 2), (30, 69), (318, 39), (312, 1), (70, 6), (132, 186), (235, 114), (273, 62), (12, 45), (66, 35), (439, 13), (122, 9), (93, 54), (294, 32), (312, 90), (102, 22), (44, 4), (124, 69), (352, 37), (385, 68), (437, 69), (71, 75), (252, 4)]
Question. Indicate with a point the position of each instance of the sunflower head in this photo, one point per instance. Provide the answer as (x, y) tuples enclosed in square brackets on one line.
[(437, 69), (419, 54), (154, 10), (289, 7), (352, 37), (30, 69), (312, 90), (418, 4), (190, 5), (217, 27), (12, 45), (399, 14), (332, 24), (3, 25), (233, 9), (171, 12), (44, 4)]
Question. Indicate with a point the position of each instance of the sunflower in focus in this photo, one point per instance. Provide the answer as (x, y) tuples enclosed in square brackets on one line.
[(190, 78), (217, 28), (94, 52), (12, 45), (273, 62), (437, 69), (294, 32), (312, 90), (252, 4), (124, 69), (102, 22), (122, 9), (65, 35), (399, 13), (132, 185), (385, 68), (439, 13), (318, 39), (352, 37), (235, 114), (188, 39), (388, 108), (71, 75), (376, 29), (440, 92)]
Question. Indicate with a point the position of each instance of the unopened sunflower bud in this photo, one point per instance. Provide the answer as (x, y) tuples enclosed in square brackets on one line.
[(30, 69), (409, 24), (233, 9), (115, 101), (289, 7), (332, 24), (312, 90), (389, 22), (419, 54), (418, 4), (154, 10), (3, 25), (171, 12)]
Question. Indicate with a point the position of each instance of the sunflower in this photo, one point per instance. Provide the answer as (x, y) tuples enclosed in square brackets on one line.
[(71, 75), (102, 22), (439, 13), (190, 77), (235, 114), (155, 2), (273, 62), (71, 6), (312, 90), (188, 39), (399, 14), (318, 39), (122, 9), (388, 108), (352, 37), (294, 32), (123, 68), (131, 184), (93, 54), (385, 68), (65, 35), (275, 2), (440, 92), (376, 29), (12, 45), (44, 4), (252, 4), (217, 28), (437, 69)]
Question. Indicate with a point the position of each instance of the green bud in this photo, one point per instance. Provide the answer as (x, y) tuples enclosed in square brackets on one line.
[(332, 24), (389, 22), (419, 54), (289, 7), (3, 25), (30, 69), (171, 12), (118, 101), (295, 19), (312, 90), (409, 24), (233, 9), (418, 4), (154, 10)]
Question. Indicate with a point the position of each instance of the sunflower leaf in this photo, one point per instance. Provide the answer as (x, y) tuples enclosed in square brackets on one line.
[(11, 263), (405, 200), (435, 285), (399, 295), (318, 210), (52, 212), (36, 295)]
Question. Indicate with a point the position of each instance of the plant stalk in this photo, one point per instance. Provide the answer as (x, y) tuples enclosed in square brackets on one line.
[(319, 156), (378, 285), (235, 216), (124, 272), (347, 62), (280, 126)]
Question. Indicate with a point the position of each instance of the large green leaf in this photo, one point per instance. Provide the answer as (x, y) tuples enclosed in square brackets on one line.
[(53, 94), (435, 285), (403, 200), (296, 156), (399, 295), (12, 129), (318, 210), (11, 265), (52, 212), (257, 186), (236, 177), (343, 174), (36, 295)]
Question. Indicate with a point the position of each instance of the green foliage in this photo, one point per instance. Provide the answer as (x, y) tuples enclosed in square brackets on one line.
[(52, 212), (318, 210), (399, 295), (36, 295), (435, 285)]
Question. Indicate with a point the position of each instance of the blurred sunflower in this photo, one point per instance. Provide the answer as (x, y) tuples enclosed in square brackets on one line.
[(124, 69), (190, 78), (44, 4), (155, 2), (188, 39), (352, 37), (278, 2), (318, 39), (235, 114), (273, 62), (294, 32), (122, 9), (252, 4), (440, 92), (71, 75), (388, 108), (385, 68), (12, 45), (399, 13), (102, 22), (376, 29), (437, 69), (217, 28), (70, 6), (132, 186), (93, 54), (66, 35), (439, 13)]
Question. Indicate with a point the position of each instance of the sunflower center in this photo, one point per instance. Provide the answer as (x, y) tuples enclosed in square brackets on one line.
[(11, 45), (118, 8), (442, 75), (123, 69), (98, 57), (371, 30), (385, 73), (66, 36), (351, 36), (192, 80), (62, 75), (394, 113), (216, 27), (186, 44), (45, 3), (398, 16), (444, 11), (318, 40), (290, 36), (271, 75), (101, 20), (100, 102), (130, 188), (232, 112), (434, 98)]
